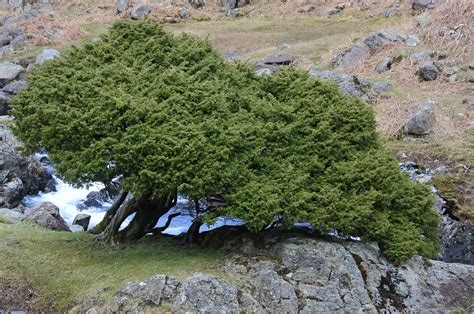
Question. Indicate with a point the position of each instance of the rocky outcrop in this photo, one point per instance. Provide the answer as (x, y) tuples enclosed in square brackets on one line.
[(294, 273), (19, 176), (422, 5), (46, 215), (271, 64), (9, 72), (353, 85)]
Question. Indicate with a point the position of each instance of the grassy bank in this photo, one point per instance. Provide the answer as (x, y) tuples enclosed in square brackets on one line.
[(57, 268)]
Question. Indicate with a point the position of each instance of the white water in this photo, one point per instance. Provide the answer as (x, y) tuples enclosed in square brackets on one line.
[(66, 198)]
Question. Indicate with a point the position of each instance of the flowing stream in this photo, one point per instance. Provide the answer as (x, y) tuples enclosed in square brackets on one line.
[(70, 201)]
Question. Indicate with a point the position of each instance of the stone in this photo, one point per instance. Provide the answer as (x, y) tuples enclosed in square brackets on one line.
[(428, 71), (155, 291), (458, 241), (14, 87), (351, 56), (412, 41), (295, 273), (46, 215), (13, 192), (349, 84), (208, 294), (164, 3), (140, 11), (263, 71), (47, 54), (121, 5), (3, 104), (422, 5), (11, 215), (228, 4), (421, 123), (9, 72), (469, 101), (336, 9), (76, 228), (380, 87), (274, 293), (184, 14), (283, 46), (197, 4), (82, 220), (422, 56), (283, 59), (383, 65), (307, 8)]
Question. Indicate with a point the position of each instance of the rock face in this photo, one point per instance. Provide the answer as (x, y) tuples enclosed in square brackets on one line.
[(19, 176), (299, 274), (46, 215), (458, 241), (140, 11)]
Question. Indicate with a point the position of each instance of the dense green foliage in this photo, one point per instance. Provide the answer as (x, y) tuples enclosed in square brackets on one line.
[(166, 112)]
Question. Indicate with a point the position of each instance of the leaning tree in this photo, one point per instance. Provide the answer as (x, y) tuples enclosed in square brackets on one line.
[(168, 116)]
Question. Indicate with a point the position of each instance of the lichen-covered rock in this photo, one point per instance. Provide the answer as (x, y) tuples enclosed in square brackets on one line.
[(82, 220), (156, 291), (46, 215), (208, 294), (299, 274)]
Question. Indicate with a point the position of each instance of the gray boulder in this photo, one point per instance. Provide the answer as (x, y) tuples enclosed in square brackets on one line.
[(82, 220), (11, 215), (184, 14), (140, 11), (9, 72), (422, 5), (283, 59), (197, 4), (412, 41), (13, 192), (351, 56), (3, 104), (421, 123), (428, 71), (15, 87), (469, 101), (47, 54), (336, 9), (383, 65), (121, 5), (208, 294), (458, 241), (422, 56), (46, 215), (307, 8)]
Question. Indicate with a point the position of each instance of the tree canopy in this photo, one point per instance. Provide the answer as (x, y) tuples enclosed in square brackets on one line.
[(169, 116)]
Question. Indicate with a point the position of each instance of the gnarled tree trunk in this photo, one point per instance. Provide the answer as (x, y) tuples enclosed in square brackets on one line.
[(148, 208)]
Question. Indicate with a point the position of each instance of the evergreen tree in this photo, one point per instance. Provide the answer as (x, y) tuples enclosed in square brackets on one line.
[(169, 116)]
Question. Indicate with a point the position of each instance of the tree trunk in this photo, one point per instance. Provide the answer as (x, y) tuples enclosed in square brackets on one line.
[(192, 235), (148, 208), (110, 213)]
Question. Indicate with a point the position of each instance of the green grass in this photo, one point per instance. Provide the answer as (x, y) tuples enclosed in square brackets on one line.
[(67, 267)]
